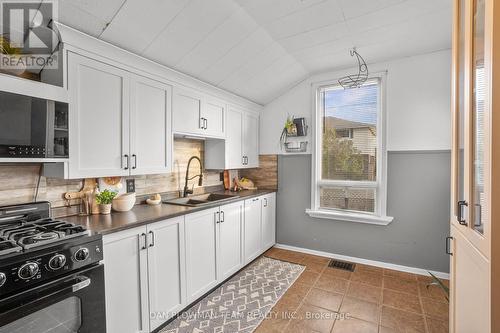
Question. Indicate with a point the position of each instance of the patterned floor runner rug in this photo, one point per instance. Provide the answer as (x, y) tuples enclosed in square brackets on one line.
[(241, 303)]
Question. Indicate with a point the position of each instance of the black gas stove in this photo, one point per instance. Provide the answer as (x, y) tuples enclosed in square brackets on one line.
[(44, 264)]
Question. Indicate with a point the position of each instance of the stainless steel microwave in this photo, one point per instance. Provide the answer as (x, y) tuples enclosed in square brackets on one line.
[(32, 127)]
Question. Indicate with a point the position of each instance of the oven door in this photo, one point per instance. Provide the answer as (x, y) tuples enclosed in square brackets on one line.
[(74, 303)]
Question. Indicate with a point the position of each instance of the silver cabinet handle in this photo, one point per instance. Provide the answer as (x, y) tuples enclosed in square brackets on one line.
[(152, 239), (221, 216), (145, 241), (206, 123), (243, 160), (201, 123), (216, 217), (265, 202)]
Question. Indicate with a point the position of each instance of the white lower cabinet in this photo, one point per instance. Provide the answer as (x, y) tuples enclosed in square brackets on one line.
[(144, 276), (230, 239), (201, 252), (155, 271), (268, 203), (253, 229)]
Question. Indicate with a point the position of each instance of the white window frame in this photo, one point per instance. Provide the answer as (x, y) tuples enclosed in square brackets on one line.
[(379, 217)]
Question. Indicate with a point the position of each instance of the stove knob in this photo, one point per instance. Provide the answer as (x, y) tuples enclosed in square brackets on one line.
[(82, 254), (28, 270), (3, 279), (57, 262)]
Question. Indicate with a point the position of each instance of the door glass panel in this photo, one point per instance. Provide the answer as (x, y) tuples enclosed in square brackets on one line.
[(460, 100), (478, 111), (61, 317)]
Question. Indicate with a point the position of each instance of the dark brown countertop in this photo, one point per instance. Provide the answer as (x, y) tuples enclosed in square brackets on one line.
[(144, 214)]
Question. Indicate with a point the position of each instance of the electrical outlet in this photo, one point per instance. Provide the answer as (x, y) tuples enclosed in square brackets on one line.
[(221, 176), (130, 185)]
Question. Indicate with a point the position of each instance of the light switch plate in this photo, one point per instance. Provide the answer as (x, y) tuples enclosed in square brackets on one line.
[(130, 185)]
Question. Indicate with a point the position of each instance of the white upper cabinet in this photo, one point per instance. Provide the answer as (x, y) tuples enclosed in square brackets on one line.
[(241, 147), (98, 118), (196, 114), (250, 140), (120, 123), (150, 126)]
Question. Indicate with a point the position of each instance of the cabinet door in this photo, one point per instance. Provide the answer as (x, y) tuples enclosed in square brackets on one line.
[(213, 114), (150, 127), (268, 221), (166, 267), (230, 249), (252, 231), (98, 118), (201, 250), (251, 139), (470, 299), (187, 112), (125, 266), (234, 135)]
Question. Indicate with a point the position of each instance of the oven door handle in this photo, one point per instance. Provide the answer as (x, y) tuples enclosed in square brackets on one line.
[(84, 283)]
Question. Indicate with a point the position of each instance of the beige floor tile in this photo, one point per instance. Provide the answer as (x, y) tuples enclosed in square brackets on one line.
[(312, 259), (435, 308), (361, 309), (431, 291), (331, 283), (309, 278), (337, 272), (367, 278), (406, 286), (436, 325), (324, 299), (312, 318), (353, 325), (401, 301), (369, 269), (300, 289), (365, 292), (315, 267), (400, 275), (402, 320)]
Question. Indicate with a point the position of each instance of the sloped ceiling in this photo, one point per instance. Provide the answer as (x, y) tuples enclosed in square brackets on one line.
[(259, 48)]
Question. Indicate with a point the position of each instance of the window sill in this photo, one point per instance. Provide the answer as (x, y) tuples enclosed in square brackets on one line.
[(349, 217)]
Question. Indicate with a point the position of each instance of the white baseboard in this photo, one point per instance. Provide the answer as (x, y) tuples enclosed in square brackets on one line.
[(381, 264)]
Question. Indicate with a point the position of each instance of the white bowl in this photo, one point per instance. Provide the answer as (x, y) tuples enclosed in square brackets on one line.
[(124, 204)]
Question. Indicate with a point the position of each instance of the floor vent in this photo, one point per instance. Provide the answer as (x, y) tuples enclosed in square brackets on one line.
[(346, 266)]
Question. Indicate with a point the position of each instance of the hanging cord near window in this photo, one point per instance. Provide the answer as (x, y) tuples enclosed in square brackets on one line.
[(40, 170)]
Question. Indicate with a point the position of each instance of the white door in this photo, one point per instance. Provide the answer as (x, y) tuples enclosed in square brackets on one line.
[(251, 139), (201, 251), (234, 136), (252, 230), (166, 268), (230, 237), (150, 127), (186, 112), (98, 119), (126, 281), (268, 221), (213, 115)]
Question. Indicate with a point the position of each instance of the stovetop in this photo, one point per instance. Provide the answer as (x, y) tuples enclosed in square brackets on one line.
[(18, 235), (29, 226)]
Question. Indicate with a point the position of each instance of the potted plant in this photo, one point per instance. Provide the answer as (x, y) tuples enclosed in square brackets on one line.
[(7, 51), (104, 200)]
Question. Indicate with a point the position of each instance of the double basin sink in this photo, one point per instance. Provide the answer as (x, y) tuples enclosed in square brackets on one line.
[(202, 199)]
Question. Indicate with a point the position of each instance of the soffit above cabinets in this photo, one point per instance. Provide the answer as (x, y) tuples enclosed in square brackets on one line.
[(259, 48)]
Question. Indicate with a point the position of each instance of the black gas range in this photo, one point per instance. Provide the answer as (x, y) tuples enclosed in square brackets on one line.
[(51, 278)]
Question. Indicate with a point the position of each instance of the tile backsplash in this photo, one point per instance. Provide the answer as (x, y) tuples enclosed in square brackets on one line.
[(18, 181)]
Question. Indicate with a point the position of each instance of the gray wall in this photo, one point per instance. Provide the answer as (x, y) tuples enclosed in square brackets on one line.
[(418, 199)]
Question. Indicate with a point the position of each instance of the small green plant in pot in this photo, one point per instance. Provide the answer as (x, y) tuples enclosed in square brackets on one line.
[(104, 199)]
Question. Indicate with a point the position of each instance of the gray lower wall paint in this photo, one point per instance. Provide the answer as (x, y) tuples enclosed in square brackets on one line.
[(418, 198)]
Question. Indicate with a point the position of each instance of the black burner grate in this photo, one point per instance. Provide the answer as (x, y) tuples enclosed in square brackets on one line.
[(346, 266)]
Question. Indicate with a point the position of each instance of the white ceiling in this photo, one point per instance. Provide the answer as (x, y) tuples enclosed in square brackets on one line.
[(259, 48)]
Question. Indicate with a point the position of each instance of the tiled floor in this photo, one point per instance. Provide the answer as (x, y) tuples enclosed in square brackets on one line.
[(371, 299)]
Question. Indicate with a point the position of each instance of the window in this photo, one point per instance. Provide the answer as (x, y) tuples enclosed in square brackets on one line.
[(349, 159)]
